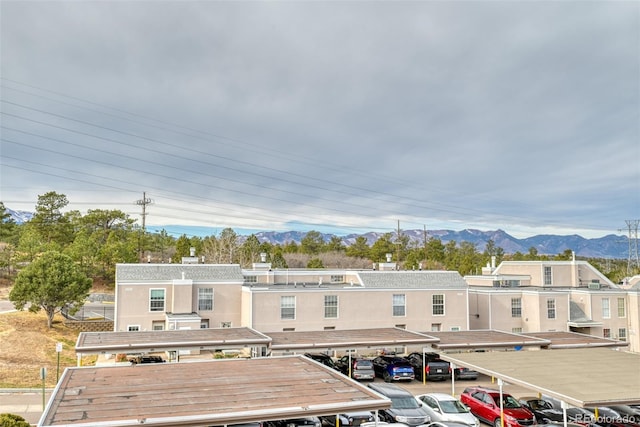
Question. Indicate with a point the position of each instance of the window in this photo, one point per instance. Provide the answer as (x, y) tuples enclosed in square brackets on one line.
[(547, 276), (251, 279), (398, 305), (622, 309), (157, 325), (516, 330), (551, 308), (337, 278), (330, 306), (133, 328), (436, 327), (401, 326), (205, 299), (204, 324), (329, 328), (225, 324), (437, 304), (606, 310), (516, 307), (288, 307), (156, 300), (622, 334), (606, 332), (455, 329), (289, 330)]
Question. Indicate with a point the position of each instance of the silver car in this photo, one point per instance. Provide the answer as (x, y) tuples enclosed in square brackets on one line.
[(445, 408)]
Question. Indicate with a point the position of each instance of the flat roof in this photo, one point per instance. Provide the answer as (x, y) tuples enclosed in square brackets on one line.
[(479, 339), (580, 376), (562, 339), (346, 338), (153, 341), (218, 392)]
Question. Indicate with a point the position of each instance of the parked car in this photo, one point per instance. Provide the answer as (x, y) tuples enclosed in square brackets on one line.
[(325, 359), (435, 369), (295, 422), (404, 408), (615, 416), (444, 407), (352, 419), (465, 374), (445, 424), (360, 368), (146, 359), (574, 414), (543, 410), (393, 368), (484, 403)]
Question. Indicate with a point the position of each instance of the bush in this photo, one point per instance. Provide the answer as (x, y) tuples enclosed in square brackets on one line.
[(12, 420)]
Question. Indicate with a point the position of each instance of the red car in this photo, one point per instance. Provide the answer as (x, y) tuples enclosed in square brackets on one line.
[(484, 403)]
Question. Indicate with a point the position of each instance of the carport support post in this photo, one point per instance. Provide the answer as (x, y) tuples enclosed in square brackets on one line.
[(500, 382), (453, 380), (564, 406)]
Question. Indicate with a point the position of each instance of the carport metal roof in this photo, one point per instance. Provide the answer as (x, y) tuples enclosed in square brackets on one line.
[(350, 338), (154, 341), (581, 377), (219, 392), (483, 339)]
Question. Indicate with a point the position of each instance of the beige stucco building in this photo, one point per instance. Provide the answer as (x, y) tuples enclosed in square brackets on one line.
[(527, 296)]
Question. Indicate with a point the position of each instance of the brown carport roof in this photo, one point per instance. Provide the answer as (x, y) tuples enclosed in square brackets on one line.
[(150, 341), (321, 340), (581, 377), (481, 339), (562, 339), (219, 392)]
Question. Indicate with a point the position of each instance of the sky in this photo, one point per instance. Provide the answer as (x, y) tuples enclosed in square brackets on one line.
[(335, 116)]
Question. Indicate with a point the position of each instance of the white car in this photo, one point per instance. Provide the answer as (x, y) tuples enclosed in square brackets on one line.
[(446, 408)]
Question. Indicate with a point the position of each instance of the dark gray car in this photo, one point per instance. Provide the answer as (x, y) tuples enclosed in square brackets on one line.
[(404, 409)]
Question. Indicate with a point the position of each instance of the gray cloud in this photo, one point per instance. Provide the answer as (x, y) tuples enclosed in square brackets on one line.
[(515, 115)]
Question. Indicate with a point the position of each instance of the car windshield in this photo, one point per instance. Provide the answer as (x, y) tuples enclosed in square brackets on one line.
[(508, 401), (364, 364), (404, 403), (453, 407)]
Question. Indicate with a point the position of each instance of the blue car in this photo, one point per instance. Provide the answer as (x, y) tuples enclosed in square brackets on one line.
[(393, 368)]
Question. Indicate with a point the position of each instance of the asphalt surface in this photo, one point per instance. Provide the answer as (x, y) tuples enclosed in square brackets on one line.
[(28, 403)]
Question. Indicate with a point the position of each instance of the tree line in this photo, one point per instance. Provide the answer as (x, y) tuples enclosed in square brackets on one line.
[(99, 239)]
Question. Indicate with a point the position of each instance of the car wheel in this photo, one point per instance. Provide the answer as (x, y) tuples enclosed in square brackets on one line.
[(387, 377), (497, 423)]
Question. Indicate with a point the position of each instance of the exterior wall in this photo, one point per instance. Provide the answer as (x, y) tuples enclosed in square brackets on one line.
[(633, 314), (266, 276), (132, 303), (494, 310), (563, 273), (591, 301), (358, 308)]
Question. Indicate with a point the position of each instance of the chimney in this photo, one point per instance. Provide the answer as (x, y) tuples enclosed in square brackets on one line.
[(493, 262), (389, 257), (263, 257), (192, 252)]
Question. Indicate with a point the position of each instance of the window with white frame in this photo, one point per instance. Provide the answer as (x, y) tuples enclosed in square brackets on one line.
[(437, 304), (337, 278), (287, 307), (606, 309), (251, 279), (204, 323), (622, 308), (516, 330), (622, 334), (547, 276), (551, 308), (205, 299), (516, 307), (436, 327), (399, 308), (606, 333), (133, 328), (156, 300), (330, 306), (157, 325), (455, 329)]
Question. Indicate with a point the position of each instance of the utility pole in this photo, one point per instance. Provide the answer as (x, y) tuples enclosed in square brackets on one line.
[(633, 261), (143, 202)]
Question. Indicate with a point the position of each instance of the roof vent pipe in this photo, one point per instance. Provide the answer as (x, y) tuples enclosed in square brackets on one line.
[(183, 275)]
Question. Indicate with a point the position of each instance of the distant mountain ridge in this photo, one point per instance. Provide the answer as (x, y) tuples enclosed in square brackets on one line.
[(610, 246)]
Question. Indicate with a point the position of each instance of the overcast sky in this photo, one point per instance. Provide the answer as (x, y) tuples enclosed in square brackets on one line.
[(337, 116)]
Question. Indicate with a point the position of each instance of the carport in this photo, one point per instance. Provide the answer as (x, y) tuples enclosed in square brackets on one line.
[(176, 340), (206, 393), (377, 338), (582, 377)]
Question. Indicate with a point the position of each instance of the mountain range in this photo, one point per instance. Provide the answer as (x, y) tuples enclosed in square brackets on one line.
[(610, 246)]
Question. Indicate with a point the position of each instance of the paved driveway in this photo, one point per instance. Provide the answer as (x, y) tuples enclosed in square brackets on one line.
[(6, 306)]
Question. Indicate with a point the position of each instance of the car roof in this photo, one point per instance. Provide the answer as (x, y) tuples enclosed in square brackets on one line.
[(440, 396)]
